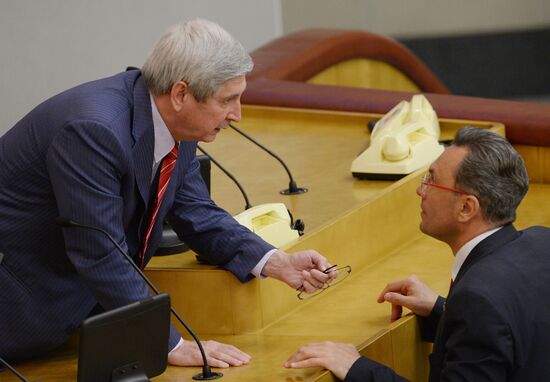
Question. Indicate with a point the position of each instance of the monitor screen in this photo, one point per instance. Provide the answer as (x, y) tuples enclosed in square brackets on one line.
[(129, 343)]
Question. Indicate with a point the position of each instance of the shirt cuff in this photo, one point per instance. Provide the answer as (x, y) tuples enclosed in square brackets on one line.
[(176, 347), (257, 270)]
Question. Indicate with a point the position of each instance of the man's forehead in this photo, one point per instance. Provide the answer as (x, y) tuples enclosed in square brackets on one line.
[(449, 159), (233, 86)]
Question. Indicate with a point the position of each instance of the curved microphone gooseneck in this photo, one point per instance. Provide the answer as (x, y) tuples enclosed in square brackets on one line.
[(13, 370), (247, 202), (206, 374), (292, 189)]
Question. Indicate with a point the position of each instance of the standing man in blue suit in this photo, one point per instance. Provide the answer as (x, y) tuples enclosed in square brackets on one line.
[(494, 324), (93, 154)]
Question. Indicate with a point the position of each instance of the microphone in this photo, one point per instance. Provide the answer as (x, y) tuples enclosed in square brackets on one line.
[(206, 374), (13, 370), (247, 202), (297, 225), (292, 189)]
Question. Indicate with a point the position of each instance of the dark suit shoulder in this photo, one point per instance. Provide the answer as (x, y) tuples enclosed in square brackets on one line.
[(516, 261), (105, 101), (508, 286)]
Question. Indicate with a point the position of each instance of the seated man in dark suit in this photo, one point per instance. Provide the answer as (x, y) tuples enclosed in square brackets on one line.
[(119, 154), (494, 324)]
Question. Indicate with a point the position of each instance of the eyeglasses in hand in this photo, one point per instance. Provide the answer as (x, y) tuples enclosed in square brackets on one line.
[(343, 273)]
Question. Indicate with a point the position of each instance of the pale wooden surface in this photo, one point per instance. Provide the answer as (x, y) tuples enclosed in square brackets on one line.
[(537, 160), (345, 217), (369, 225), (347, 313), (318, 147), (365, 73)]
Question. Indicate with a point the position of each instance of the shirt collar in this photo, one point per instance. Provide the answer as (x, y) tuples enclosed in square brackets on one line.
[(466, 249), (163, 139)]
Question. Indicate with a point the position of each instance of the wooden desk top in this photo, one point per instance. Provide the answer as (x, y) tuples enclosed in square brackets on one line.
[(348, 312), (318, 147)]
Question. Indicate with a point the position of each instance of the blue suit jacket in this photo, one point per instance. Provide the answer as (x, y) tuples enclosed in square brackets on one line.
[(495, 323), (87, 154)]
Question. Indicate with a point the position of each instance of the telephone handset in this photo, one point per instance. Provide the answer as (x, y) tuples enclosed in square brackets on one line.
[(403, 141), (271, 222)]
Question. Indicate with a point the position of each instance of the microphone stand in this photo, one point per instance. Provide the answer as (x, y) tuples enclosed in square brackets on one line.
[(247, 202), (13, 370), (207, 374), (292, 189)]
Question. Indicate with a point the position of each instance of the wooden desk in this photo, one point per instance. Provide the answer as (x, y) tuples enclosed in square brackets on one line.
[(345, 217), (318, 147), (372, 226)]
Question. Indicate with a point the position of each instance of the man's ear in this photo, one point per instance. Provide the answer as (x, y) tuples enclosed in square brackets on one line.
[(470, 208), (179, 94)]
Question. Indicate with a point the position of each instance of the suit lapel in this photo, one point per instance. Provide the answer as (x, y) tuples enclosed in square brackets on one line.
[(486, 247), (144, 138)]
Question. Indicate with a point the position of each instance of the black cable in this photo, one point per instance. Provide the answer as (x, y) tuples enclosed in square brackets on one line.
[(247, 202), (292, 187), (13, 370), (207, 374)]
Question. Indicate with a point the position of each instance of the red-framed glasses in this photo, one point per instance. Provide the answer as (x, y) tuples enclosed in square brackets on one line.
[(428, 181)]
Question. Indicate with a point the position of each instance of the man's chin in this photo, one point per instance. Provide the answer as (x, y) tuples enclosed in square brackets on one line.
[(422, 227), (210, 138)]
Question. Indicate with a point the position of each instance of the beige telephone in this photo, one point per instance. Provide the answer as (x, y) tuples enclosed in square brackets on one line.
[(269, 221), (403, 141)]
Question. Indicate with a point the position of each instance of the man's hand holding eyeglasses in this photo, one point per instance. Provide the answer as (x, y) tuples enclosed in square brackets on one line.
[(302, 270)]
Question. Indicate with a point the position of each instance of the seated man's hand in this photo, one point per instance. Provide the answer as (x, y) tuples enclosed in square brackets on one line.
[(410, 293), (335, 357), (301, 270), (217, 355)]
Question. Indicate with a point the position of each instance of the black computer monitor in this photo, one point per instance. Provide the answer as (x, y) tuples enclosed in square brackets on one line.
[(126, 344)]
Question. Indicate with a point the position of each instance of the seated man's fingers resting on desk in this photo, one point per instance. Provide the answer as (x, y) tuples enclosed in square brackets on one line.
[(410, 293), (492, 325), (339, 357), (336, 357)]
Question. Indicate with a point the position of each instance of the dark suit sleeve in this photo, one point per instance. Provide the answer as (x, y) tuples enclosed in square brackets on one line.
[(212, 232), (479, 344), (428, 325), (86, 163), (366, 370)]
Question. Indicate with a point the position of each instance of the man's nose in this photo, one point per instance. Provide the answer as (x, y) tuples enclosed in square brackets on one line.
[(235, 112)]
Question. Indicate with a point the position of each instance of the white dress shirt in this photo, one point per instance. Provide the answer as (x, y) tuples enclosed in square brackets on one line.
[(164, 142), (466, 249)]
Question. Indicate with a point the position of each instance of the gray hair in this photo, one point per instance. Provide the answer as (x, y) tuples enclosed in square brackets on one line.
[(493, 171), (199, 52)]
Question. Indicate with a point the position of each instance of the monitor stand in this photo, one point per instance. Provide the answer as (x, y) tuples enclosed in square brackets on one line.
[(133, 372)]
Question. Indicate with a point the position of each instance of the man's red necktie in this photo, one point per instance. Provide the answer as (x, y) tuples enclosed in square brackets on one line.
[(166, 169)]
